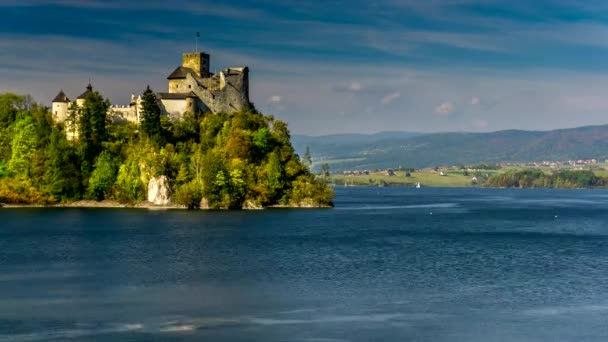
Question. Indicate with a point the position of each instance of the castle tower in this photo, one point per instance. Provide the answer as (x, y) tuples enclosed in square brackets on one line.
[(60, 107), (198, 62), (80, 99)]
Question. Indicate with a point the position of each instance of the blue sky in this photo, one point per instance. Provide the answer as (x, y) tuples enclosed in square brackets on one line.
[(332, 66)]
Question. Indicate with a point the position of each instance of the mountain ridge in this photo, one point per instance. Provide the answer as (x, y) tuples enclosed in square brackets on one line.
[(411, 149)]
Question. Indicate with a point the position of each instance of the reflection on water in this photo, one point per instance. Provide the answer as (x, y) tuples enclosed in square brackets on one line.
[(386, 264)]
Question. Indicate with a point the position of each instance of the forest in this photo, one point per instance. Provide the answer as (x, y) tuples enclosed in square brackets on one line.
[(534, 178), (222, 160)]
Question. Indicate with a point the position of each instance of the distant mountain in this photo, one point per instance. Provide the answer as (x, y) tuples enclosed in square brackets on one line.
[(343, 144), (394, 149)]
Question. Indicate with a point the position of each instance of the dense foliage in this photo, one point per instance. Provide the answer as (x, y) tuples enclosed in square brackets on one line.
[(538, 179), (218, 160)]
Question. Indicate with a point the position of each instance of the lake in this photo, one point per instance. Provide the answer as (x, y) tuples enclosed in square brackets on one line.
[(387, 264)]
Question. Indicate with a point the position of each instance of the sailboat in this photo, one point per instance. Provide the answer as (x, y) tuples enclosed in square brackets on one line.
[(418, 185)]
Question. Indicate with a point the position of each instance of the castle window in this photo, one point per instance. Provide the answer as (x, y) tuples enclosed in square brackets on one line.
[(189, 86)]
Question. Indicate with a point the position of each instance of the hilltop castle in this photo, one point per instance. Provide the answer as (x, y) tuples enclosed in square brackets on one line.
[(191, 88)]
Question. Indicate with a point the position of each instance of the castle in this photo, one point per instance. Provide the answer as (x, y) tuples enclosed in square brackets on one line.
[(191, 88)]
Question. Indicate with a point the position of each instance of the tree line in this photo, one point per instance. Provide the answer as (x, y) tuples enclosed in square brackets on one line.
[(533, 178)]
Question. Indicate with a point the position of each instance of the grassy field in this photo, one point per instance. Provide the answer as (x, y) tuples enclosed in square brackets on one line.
[(425, 178), (452, 178)]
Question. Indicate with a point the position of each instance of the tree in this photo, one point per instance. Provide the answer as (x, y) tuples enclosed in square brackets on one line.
[(92, 130), (150, 117), (23, 146), (103, 177), (62, 177), (262, 142), (197, 163), (325, 170), (128, 186), (10, 105), (307, 159), (71, 121)]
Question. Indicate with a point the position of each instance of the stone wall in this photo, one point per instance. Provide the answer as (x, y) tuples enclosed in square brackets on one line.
[(124, 114), (179, 86), (175, 108), (226, 91)]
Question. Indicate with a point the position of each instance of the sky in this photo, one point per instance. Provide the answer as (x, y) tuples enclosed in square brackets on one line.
[(326, 67)]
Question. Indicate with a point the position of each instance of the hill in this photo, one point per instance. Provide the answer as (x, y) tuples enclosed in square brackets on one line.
[(390, 150), (207, 160)]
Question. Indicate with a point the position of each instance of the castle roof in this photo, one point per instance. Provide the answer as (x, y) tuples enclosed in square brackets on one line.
[(61, 97), (176, 96), (84, 95), (180, 72)]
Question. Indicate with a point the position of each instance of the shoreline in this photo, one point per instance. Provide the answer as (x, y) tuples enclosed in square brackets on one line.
[(145, 205), (458, 187)]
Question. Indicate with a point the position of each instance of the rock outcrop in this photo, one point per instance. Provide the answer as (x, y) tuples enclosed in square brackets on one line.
[(159, 191), (252, 205)]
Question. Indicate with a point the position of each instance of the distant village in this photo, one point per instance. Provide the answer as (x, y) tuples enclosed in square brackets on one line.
[(580, 164)]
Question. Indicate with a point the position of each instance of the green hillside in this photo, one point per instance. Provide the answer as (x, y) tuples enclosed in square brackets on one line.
[(429, 150), (237, 160)]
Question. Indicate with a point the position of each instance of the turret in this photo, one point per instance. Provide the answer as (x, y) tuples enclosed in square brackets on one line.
[(80, 99), (198, 62), (60, 107)]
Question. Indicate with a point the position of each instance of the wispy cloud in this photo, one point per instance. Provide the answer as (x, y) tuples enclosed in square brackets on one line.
[(390, 97), (274, 99), (445, 108), (511, 64)]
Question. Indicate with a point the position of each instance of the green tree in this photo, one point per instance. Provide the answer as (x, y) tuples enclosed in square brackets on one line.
[(62, 177), (189, 195), (23, 146), (3, 169), (72, 120), (150, 117), (10, 106), (92, 128), (307, 159), (325, 170), (128, 187), (103, 176), (275, 176), (187, 128)]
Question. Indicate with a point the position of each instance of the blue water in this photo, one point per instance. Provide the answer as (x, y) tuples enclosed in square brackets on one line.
[(387, 264)]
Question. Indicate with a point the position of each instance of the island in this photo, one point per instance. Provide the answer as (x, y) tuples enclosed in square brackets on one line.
[(202, 144)]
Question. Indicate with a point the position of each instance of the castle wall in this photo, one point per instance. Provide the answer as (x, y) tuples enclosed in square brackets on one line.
[(59, 111), (123, 114), (179, 86), (226, 91), (175, 108)]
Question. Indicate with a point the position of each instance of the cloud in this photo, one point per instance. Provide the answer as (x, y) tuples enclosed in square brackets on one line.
[(445, 108), (351, 87), (275, 99), (474, 100), (390, 97), (355, 86)]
